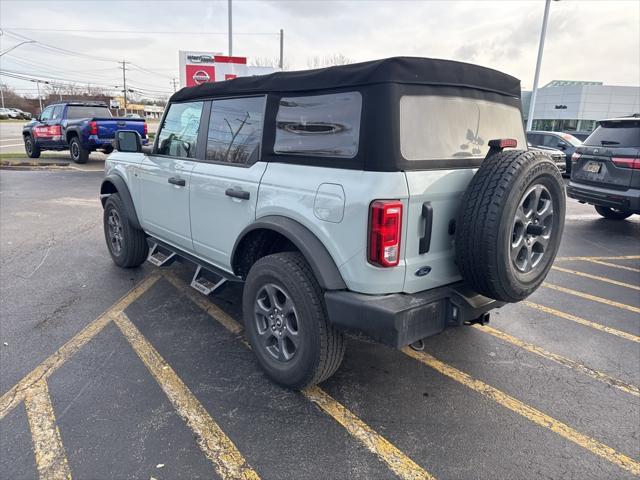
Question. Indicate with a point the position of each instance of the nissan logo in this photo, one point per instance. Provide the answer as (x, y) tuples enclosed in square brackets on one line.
[(201, 77)]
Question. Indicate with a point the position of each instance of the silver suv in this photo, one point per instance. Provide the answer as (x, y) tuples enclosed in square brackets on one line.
[(384, 197)]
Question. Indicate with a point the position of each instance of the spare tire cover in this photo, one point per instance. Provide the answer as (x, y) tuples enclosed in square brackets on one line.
[(510, 224)]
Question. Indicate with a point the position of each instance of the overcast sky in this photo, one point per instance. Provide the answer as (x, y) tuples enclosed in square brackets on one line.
[(597, 40)]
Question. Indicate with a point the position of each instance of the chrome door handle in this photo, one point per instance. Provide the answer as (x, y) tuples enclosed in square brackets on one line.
[(177, 181), (242, 194)]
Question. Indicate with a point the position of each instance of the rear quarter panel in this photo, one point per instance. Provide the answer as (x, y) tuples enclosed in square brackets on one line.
[(310, 195)]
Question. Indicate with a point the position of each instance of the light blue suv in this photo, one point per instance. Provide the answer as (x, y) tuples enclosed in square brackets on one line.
[(384, 197)]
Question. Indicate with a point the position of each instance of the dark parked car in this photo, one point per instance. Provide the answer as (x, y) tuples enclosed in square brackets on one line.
[(556, 140), (606, 168), (556, 155)]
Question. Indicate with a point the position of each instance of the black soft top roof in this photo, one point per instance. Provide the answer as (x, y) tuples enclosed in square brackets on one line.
[(404, 70)]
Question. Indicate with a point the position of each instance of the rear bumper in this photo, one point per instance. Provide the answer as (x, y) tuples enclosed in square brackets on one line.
[(627, 199), (400, 319)]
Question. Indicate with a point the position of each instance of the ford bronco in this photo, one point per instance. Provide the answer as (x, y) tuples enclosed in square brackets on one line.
[(386, 197)]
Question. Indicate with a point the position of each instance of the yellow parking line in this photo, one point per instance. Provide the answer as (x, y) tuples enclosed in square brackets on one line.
[(593, 298), (17, 393), (567, 362), (51, 459), (397, 461), (623, 257), (614, 265), (595, 277), (227, 460), (528, 412), (582, 321)]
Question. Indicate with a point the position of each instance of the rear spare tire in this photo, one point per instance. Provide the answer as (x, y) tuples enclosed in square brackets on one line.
[(510, 224)]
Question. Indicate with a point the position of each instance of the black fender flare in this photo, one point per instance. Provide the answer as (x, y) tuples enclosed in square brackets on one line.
[(121, 186), (314, 252), (73, 131)]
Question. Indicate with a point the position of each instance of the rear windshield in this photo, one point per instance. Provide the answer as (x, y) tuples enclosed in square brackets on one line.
[(434, 127), (615, 134), (87, 111)]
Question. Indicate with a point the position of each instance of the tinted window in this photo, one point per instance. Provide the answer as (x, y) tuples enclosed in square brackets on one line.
[(534, 138), (88, 111), (616, 134), (46, 114), (57, 112), (235, 130), (321, 125), (179, 133), (436, 127)]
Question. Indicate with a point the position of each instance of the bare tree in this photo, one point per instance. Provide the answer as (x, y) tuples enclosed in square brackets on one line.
[(268, 62), (328, 60)]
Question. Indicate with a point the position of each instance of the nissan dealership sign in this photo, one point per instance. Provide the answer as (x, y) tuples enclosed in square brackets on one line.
[(197, 68)]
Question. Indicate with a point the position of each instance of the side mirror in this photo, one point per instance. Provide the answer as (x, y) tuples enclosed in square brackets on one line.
[(562, 145), (128, 141)]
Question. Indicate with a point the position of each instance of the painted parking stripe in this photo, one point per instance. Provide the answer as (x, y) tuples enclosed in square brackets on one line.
[(593, 298), (620, 257), (582, 321), (397, 461), (51, 459), (17, 393), (528, 412), (613, 265), (214, 443), (402, 465), (595, 277), (567, 362)]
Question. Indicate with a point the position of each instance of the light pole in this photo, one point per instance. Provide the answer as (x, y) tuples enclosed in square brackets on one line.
[(230, 30), (39, 97), (534, 92)]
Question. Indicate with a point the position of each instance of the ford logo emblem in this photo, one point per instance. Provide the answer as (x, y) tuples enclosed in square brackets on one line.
[(422, 271)]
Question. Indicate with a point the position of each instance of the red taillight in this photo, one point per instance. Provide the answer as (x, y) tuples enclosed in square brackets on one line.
[(633, 163), (145, 129), (93, 128), (503, 143), (385, 231)]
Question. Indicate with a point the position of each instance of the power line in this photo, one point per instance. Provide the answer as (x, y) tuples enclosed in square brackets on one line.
[(177, 32)]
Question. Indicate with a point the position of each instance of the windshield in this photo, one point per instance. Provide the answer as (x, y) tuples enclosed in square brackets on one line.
[(88, 111), (616, 134), (439, 127)]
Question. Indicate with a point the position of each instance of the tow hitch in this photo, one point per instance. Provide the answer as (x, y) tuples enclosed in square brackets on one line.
[(481, 320)]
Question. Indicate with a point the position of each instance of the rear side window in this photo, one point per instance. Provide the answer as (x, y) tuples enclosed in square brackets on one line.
[(436, 127), (179, 133), (319, 125), (57, 112), (235, 130), (88, 111), (615, 134)]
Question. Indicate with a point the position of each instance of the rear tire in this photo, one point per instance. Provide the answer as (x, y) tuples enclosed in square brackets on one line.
[(510, 224), (78, 153), (127, 244), (613, 213), (286, 322), (31, 147)]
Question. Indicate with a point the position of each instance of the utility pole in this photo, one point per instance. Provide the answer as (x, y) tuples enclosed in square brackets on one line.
[(39, 97), (174, 82), (230, 31), (2, 93), (534, 92), (281, 63), (124, 84)]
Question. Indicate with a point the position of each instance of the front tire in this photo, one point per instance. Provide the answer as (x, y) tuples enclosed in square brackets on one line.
[(127, 245), (31, 147), (613, 213), (286, 322), (78, 153)]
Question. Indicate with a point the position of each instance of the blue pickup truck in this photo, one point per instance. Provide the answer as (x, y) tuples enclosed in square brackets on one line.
[(80, 127)]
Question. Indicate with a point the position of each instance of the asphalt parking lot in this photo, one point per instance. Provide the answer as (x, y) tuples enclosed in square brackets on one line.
[(107, 373)]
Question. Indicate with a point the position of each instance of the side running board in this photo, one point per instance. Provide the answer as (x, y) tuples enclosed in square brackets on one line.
[(160, 256), (206, 281)]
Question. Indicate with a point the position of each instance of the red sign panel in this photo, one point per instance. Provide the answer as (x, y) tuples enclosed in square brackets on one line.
[(199, 74), (47, 131)]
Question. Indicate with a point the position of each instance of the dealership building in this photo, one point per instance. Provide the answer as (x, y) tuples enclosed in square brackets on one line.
[(566, 106)]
